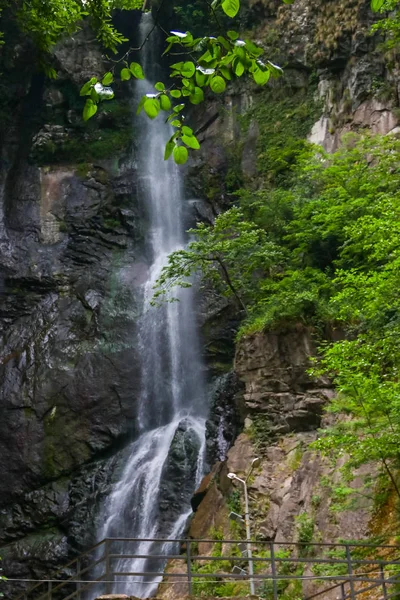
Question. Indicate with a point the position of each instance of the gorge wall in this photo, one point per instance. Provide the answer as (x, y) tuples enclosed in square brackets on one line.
[(73, 253)]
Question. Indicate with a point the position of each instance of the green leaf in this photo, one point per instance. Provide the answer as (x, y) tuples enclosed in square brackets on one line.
[(107, 79), (89, 110), (177, 66), (200, 78), (224, 43), (233, 35), (218, 84), (151, 107), (251, 47), (50, 73), (125, 74), (231, 7), (225, 72), (87, 88), (94, 95), (165, 102), (238, 67), (136, 70), (180, 155), (187, 130), (160, 87), (176, 93), (261, 77), (377, 4), (188, 69), (169, 148), (176, 123), (191, 141), (178, 108), (196, 96)]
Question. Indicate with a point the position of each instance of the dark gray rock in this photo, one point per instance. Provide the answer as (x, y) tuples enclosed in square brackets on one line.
[(226, 416), (179, 474)]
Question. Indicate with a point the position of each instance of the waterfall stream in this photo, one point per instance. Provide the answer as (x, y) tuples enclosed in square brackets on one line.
[(164, 464)]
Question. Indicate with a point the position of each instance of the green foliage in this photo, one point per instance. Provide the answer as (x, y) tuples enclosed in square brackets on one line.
[(296, 456), (284, 121), (234, 502), (323, 249), (46, 22), (229, 254), (389, 25), (305, 526), (287, 590), (216, 586), (330, 570)]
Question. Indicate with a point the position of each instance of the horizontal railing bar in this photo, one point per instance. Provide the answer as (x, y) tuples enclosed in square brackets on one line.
[(260, 559), (167, 556), (247, 576), (191, 540), (330, 561)]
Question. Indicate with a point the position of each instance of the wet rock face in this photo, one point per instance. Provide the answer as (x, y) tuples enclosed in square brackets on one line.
[(225, 418), (179, 474), (66, 378), (68, 365), (71, 263)]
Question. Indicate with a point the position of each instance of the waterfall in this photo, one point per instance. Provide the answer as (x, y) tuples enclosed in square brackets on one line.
[(164, 464)]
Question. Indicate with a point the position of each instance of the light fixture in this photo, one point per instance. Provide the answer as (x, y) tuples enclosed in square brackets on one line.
[(254, 463)]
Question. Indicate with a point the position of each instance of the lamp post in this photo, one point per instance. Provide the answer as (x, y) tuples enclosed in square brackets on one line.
[(232, 476)]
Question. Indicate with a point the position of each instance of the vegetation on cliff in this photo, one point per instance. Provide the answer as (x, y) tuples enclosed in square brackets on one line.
[(322, 248)]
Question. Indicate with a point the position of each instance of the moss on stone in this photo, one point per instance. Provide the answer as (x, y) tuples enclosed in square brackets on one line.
[(284, 120), (102, 144)]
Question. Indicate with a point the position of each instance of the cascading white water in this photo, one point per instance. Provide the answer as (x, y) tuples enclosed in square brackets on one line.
[(172, 410)]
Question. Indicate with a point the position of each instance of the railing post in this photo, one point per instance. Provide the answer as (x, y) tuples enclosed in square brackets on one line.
[(189, 568), (49, 590), (273, 571), (350, 572), (342, 591), (384, 589), (108, 571), (78, 577)]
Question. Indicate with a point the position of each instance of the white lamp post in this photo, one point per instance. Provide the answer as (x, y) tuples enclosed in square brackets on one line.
[(254, 463)]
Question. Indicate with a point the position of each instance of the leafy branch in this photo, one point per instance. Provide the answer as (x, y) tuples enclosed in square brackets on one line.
[(213, 62)]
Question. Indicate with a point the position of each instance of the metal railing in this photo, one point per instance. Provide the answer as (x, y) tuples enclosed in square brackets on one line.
[(352, 569)]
